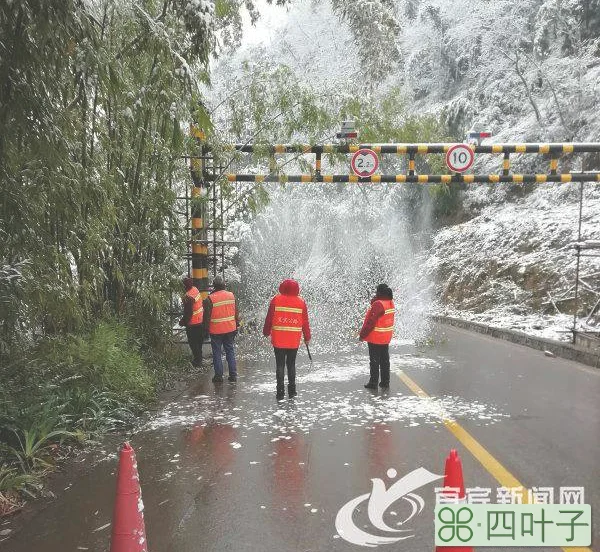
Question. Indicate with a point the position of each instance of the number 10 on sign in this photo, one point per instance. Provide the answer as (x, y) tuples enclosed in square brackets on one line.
[(460, 157)]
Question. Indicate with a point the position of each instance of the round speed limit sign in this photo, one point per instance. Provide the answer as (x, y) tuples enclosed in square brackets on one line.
[(364, 162), (460, 157)]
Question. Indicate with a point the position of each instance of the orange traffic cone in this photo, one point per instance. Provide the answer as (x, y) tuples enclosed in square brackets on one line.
[(453, 475), (453, 478), (128, 531)]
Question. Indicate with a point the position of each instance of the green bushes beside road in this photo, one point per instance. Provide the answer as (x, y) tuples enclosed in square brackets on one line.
[(68, 390)]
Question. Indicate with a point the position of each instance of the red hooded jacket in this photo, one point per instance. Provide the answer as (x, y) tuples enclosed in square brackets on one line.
[(377, 310), (289, 288)]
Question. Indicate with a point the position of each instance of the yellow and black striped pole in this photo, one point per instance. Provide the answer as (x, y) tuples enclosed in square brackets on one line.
[(506, 164), (199, 247), (318, 161)]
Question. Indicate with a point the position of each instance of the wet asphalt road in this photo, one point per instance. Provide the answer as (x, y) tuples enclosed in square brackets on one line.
[(226, 468)]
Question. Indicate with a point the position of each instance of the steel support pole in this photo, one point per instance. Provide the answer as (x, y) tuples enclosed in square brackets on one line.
[(578, 263)]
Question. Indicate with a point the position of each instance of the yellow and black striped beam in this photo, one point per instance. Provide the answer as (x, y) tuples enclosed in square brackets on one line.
[(420, 178), (419, 148), (412, 150)]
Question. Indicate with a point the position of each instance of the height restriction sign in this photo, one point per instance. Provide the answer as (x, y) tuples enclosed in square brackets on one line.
[(460, 157), (364, 162)]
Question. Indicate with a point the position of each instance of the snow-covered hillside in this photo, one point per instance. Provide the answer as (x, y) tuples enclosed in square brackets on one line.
[(513, 263)]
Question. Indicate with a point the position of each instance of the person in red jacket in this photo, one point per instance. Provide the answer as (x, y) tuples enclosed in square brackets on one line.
[(286, 322), (377, 331)]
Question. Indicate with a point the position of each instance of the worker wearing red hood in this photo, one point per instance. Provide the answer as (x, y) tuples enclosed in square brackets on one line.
[(286, 322), (377, 331)]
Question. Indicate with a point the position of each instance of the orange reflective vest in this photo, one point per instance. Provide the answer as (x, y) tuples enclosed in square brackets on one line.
[(197, 310), (288, 318), (384, 328), (222, 318)]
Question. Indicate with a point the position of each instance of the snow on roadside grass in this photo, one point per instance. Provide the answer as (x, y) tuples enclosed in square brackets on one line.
[(541, 325)]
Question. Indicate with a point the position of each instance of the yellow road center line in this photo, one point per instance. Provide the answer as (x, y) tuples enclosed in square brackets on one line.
[(493, 467), (498, 471)]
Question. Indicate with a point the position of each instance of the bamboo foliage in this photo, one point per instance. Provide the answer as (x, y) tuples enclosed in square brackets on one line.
[(93, 96)]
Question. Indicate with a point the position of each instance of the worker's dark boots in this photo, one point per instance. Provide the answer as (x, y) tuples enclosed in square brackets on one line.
[(292, 390), (385, 374), (371, 385), (280, 390)]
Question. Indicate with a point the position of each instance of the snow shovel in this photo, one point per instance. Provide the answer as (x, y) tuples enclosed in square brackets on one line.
[(309, 356)]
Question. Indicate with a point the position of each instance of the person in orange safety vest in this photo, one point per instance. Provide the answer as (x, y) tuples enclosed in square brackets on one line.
[(286, 322), (221, 319), (377, 331), (192, 320)]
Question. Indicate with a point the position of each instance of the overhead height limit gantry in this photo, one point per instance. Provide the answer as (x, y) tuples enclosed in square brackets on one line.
[(206, 175), (553, 152)]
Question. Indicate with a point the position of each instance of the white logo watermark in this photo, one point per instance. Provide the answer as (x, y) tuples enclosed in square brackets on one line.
[(380, 500)]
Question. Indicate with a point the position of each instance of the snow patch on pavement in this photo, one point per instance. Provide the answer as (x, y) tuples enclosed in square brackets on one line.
[(323, 404), (347, 369)]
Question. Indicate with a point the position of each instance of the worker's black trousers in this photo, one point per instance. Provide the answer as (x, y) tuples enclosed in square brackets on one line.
[(195, 337), (283, 358), (379, 360)]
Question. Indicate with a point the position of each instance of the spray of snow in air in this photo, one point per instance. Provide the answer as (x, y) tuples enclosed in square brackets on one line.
[(339, 242)]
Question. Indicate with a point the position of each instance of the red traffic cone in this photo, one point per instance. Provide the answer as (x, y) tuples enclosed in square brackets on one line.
[(128, 531), (453, 478), (453, 475)]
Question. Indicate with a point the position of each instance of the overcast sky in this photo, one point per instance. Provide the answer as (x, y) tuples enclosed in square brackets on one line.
[(271, 19)]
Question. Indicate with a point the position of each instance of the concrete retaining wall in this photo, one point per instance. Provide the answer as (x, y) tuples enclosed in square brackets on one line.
[(588, 342), (557, 348)]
